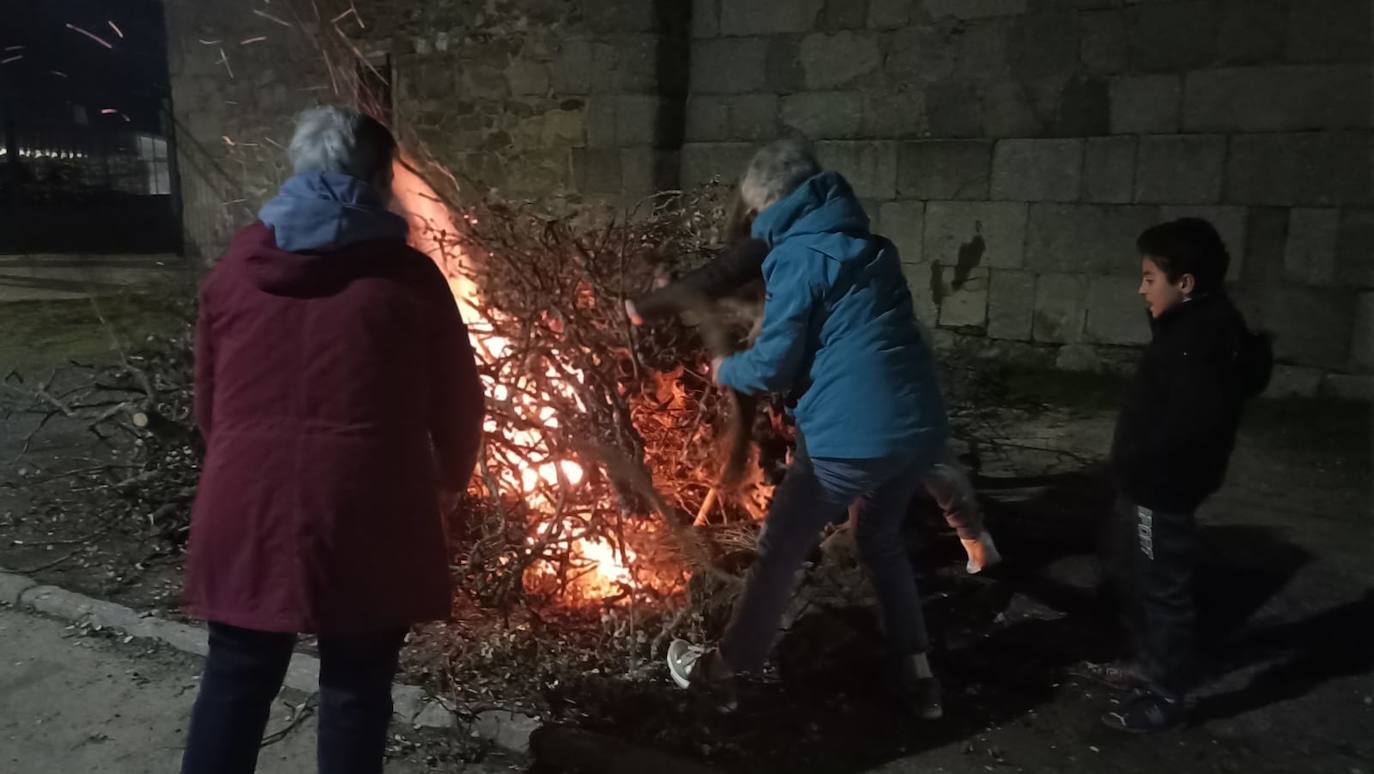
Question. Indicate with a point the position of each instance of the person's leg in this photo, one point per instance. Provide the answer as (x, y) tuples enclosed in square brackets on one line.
[(243, 673), (1123, 564), (880, 516), (1167, 602), (1118, 552), (1164, 558), (356, 671), (801, 508), (953, 492)]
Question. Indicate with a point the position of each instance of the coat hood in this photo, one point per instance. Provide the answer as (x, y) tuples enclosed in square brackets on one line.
[(824, 204), (315, 217), (324, 211)]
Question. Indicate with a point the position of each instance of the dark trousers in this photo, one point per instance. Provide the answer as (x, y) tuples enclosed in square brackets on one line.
[(812, 494), (1155, 557), (243, 674)]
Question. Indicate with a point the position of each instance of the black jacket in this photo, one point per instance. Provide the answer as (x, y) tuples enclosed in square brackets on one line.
[(738, 265), (1178, 421)]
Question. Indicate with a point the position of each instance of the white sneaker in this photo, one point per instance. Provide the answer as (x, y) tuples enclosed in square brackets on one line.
[(683, 660), (683, 657)]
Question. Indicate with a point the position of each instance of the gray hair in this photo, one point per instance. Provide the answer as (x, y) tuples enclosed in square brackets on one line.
[(332, 138), (776, 170)]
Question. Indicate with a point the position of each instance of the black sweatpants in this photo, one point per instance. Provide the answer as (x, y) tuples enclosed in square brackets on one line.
[(244, 672), (1155, 555)]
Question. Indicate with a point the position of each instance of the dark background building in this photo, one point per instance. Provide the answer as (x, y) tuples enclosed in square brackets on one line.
[(86, 164)]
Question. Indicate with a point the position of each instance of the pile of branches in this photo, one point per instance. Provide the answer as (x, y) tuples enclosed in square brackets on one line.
[(140, 475), (604, 442)]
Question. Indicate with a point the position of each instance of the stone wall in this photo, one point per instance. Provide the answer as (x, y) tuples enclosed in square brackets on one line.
[(1014, 149), (547, 97), (237, 79), (531, 99)]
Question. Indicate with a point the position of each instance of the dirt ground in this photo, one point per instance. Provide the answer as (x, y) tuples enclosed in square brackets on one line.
[(1286, 600)]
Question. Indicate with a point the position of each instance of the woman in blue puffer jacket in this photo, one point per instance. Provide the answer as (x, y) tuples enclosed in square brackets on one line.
[(839, 336)]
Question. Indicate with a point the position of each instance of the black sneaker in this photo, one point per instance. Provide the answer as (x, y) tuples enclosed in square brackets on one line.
[(1119, 675), (921, 696), (1145, 712)]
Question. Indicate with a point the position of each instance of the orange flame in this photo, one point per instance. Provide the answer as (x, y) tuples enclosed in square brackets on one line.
[(434, 233)]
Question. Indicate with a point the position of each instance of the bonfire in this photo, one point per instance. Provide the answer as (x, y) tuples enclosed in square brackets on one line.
[(604, 443), (601, 485)]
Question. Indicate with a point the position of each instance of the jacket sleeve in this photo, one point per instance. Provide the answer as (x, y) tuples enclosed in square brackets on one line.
[(204, 368), (457, 406), (772, 364), (740, 262)]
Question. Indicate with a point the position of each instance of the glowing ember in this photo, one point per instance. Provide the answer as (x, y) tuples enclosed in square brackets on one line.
[(224, 60), (92, 36), (608, 565), (272, 18)]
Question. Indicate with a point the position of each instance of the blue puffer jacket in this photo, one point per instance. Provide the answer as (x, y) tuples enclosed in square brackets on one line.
[(839, 331)]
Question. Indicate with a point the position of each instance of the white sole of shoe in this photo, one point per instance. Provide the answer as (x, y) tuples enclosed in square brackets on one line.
[(676, 651)]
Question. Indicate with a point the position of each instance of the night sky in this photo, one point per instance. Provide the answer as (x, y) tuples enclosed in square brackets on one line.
[(49, 66)]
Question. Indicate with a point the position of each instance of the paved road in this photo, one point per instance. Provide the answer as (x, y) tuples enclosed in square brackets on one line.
[(75, 702)]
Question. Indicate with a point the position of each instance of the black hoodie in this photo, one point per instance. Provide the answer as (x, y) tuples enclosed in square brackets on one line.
[(1178, 420)]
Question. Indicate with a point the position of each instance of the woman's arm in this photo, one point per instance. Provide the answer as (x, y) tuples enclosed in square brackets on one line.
[(458, 405), (738, 264), (774, 362)]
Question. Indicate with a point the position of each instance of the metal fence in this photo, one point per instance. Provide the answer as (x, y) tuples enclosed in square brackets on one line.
[(72, 182)]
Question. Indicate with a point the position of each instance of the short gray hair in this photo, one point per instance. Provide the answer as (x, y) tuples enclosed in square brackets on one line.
[(776, 170), (332, 138)]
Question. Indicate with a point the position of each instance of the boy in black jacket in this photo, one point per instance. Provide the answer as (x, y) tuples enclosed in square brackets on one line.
[(1173, 440)]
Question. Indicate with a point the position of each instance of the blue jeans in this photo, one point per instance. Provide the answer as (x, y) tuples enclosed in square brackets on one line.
[(812, 494), (244, 672)]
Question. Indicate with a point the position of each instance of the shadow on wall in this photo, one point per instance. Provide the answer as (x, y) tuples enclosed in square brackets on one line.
[(970, 255)]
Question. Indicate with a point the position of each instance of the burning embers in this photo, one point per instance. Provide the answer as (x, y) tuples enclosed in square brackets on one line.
[(558, 531)]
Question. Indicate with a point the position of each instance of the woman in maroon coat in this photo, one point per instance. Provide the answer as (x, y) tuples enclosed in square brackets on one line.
[(337, 393)]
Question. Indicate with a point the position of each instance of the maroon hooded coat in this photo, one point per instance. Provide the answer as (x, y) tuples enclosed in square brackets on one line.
[(328, 385)]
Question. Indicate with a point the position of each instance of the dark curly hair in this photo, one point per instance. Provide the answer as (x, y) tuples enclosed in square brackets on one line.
[(1188, 246)]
